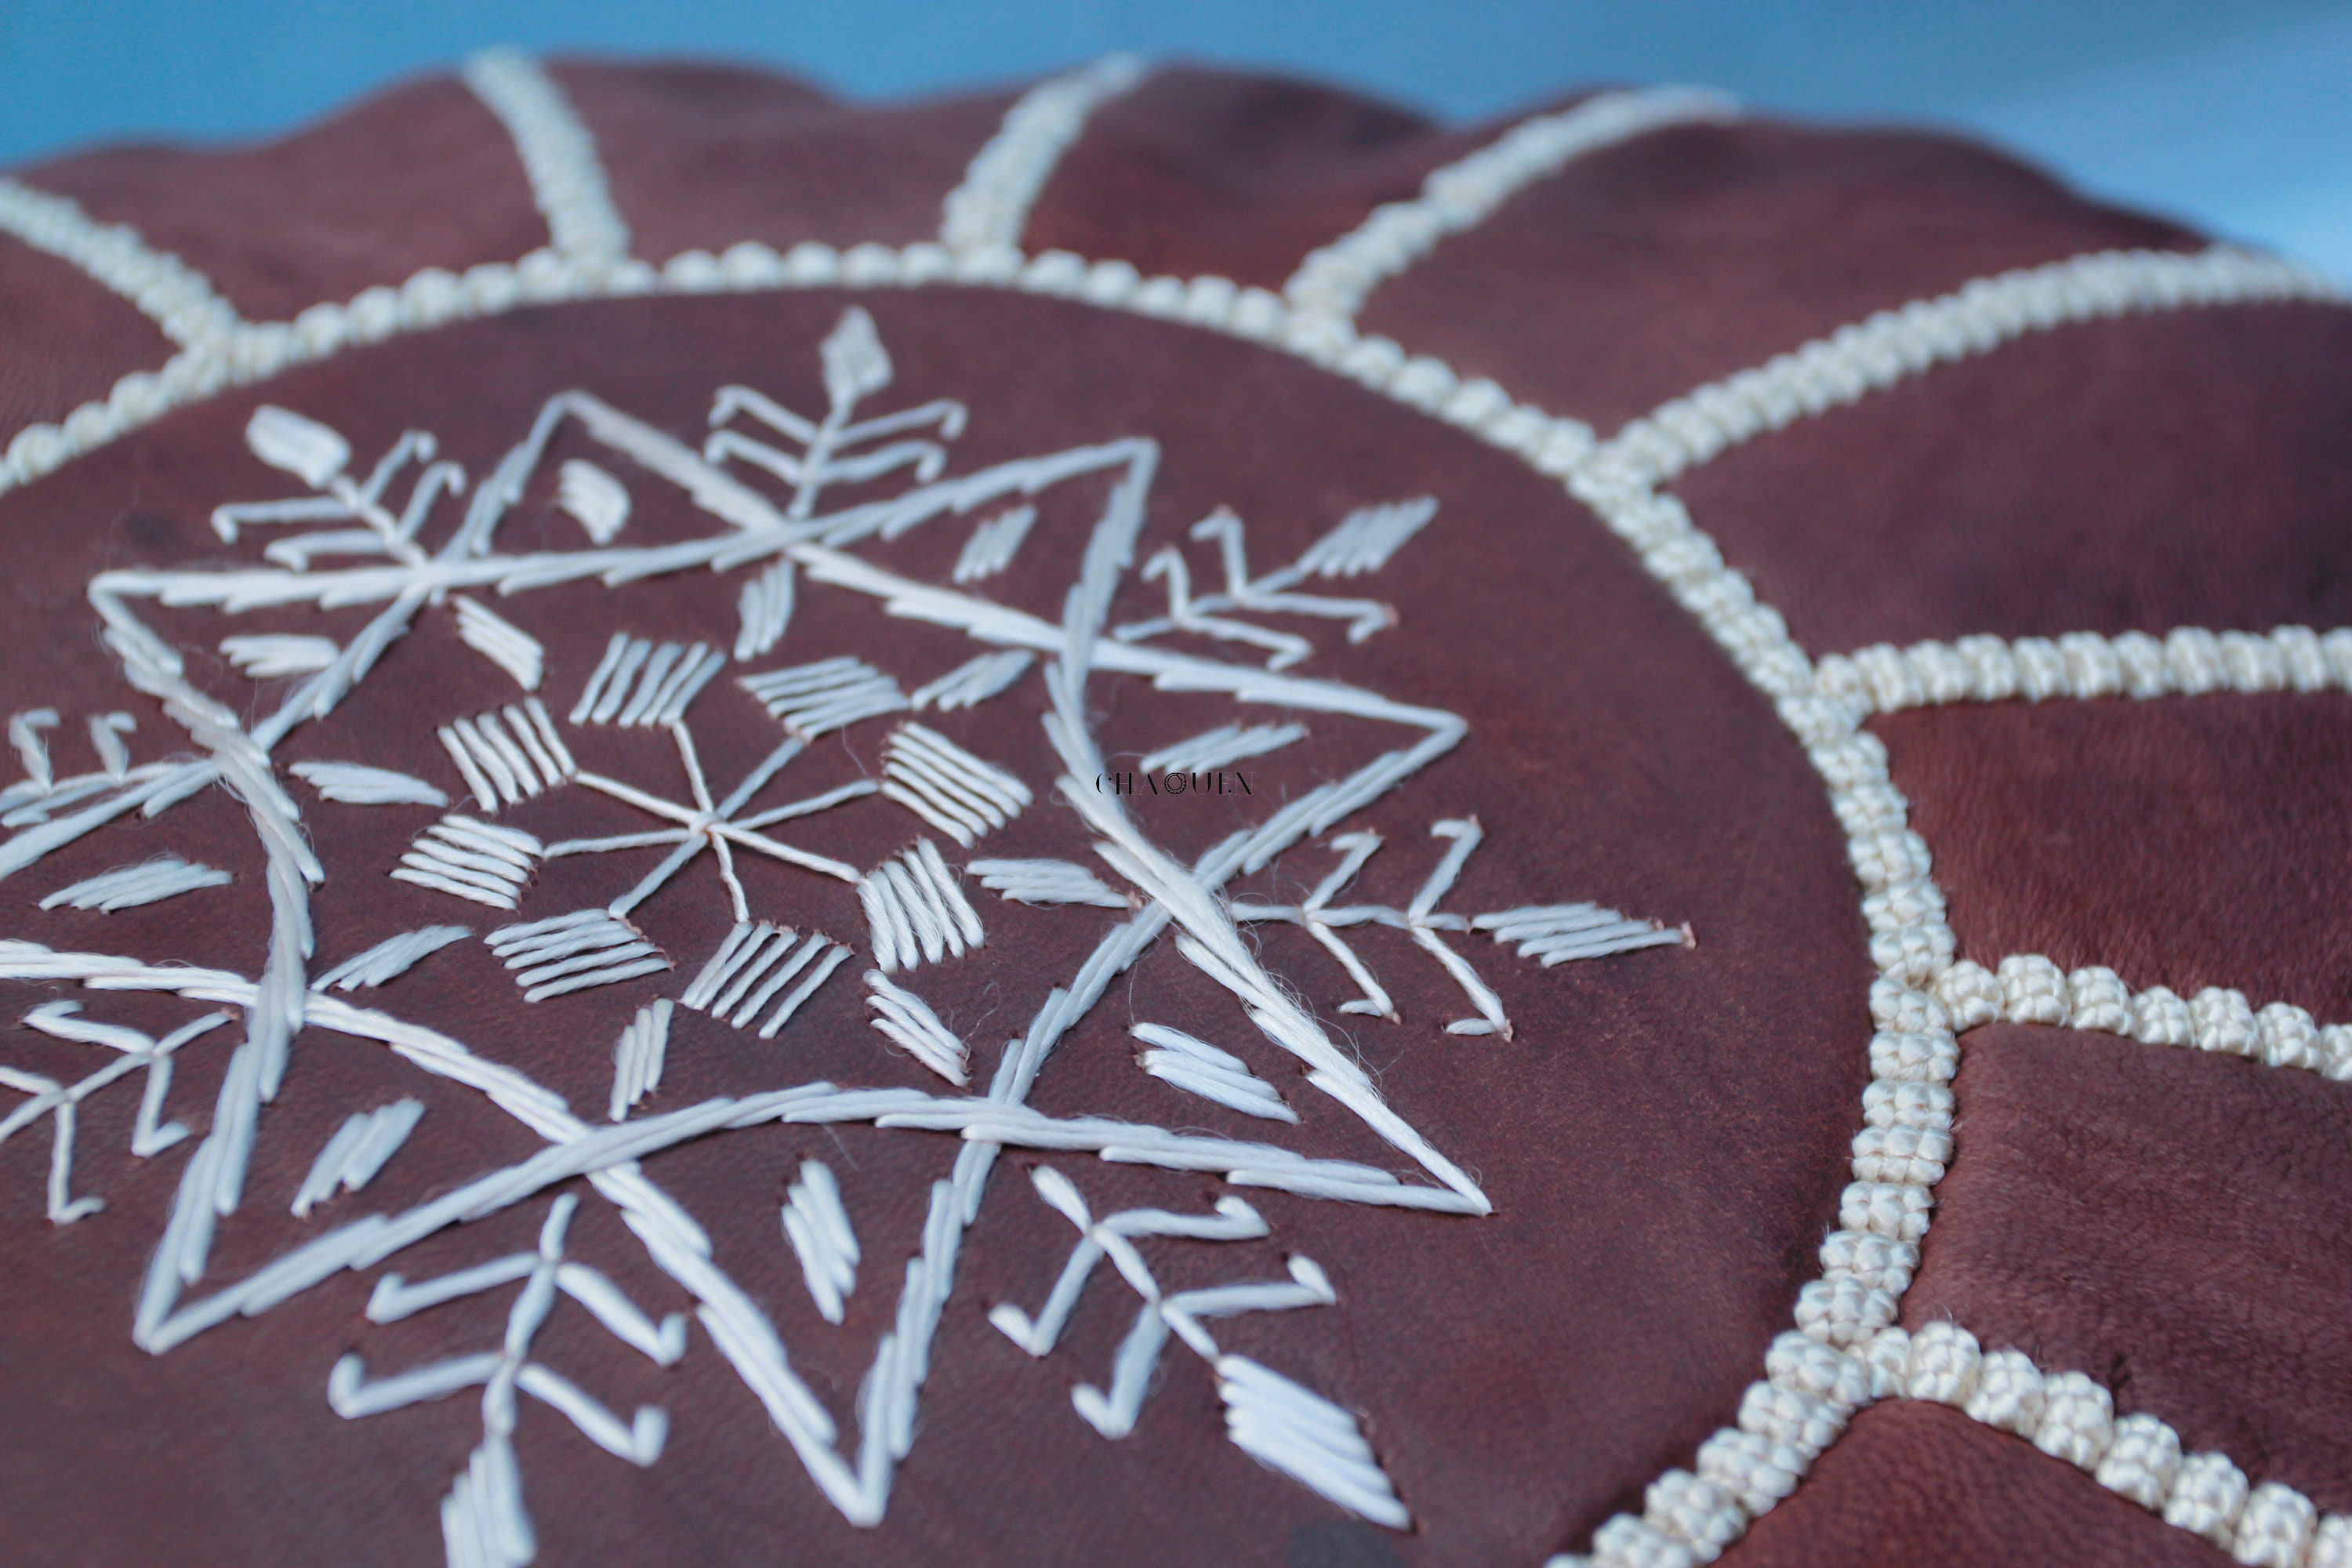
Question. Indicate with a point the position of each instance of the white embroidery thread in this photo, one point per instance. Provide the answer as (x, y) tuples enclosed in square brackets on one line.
[(990, 210)]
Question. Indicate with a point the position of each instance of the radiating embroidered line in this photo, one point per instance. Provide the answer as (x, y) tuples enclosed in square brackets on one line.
[(571, 953), (995, 541), (1870, 355), (483, 1520), (973, 682), (1336, 279), (638, 1058), (501, 642), (59, 1101), (127, 887), (909, 1019), (596, 500), (947, 786), (1199, 1068), (363, 1146), (390, 958), (1267, 1416), (821, 1238), (557, 152), (507, 753), (991, 208), (2187, 661), (167, 291), (639, 684), (1216, 748), (476, 861), (915, 910), (357, 785), (271, 657), (1554, 934), (2026, 988), (814, 700), (766, 609), (1047, 882)]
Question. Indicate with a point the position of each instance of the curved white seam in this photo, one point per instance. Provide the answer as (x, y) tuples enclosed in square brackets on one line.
[(2027, 988), (1338, 278), (1912, 1056), (167, 291), (558, 153), (1869, 355), (2187, 661), (990, 207)]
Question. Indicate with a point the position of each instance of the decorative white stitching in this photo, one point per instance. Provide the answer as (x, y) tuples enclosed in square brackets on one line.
[(476, 861), (1199, 1068), (59, 1101), (166, 289), (947, 786), (1336, 279), (363, 1145), (990, 209), (818, 1228), (2186, 661), (995, 541), (975, 681), (508, 754), (1216, 748), (909, 1019), (813, 699), (557, 152), (128, 886), (564, 954), (1047, 882), (917, 910), (765, 609), (640, 685), (390, 958), (2026, 988), (358, 785), (596, 500), (638, 1058), (501, 642)]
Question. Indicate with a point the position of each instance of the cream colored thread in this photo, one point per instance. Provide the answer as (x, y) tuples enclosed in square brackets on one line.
[(909, 1019), (171, 294), (390, 958), (993, 542), (821, 1235), (1216, 748), (149, 1134), (2186, 661), (813, 699), (1336, 279), (472, 860), (357, 785), (1047, 882), (564, 954), (975, 681), (638, 1058), (501, 642), (363, 1146), (269, 658), (1199, 1068), (128, 886), (990, 210), (2026, 988), (557, 152), (917, 910), (947, 786), (596, 500), (765, 609)]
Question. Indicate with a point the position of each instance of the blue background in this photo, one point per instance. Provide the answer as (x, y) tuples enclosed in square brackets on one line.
[(2235, 115)]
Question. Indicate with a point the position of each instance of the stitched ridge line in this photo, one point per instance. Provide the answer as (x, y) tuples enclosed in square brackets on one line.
[(990, 209), (1338, 278), (2027, 988), (1871, 354), (2186, 662), (167, 291), (558, 153)]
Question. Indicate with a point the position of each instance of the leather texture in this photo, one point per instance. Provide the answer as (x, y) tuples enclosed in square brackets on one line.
[(1666, 1136)]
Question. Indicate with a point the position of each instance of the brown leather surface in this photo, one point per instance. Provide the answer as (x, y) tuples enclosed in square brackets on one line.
[(2132, 475), (1236, 175), (69, 339), (2183, 841), (418, 175), (1643, 270), (2176, 1224), (706, 155), (1914, 1485), (1665, 1139)]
